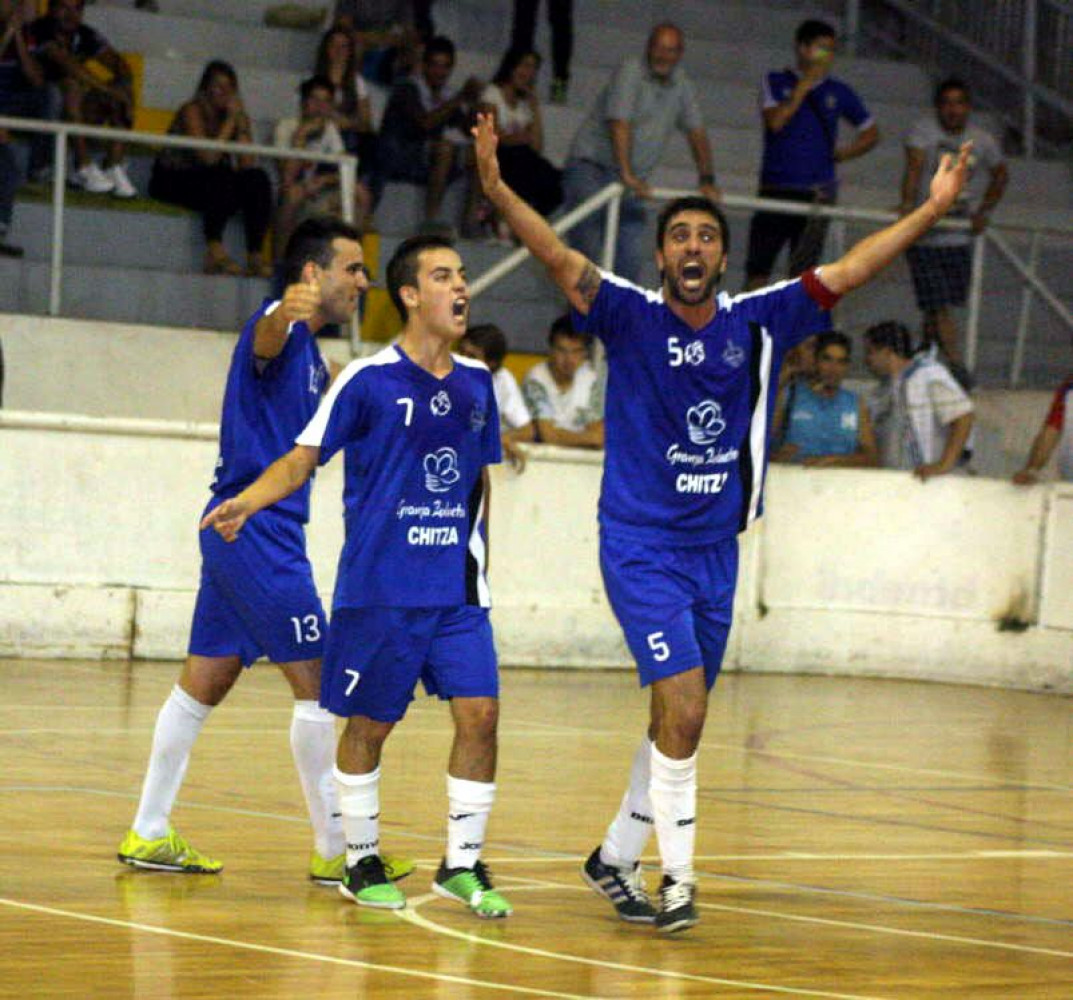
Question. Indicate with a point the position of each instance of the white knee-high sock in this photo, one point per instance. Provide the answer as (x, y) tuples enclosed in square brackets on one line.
[(359, 802), (673, 791), (177, 725), (468, 806), (632, 826), (313, 748)]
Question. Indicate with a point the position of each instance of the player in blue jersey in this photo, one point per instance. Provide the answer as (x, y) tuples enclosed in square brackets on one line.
[(257, 598), (419, 425), (690, 394)]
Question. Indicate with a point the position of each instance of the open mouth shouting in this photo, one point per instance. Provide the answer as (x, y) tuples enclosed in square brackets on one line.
[(692, 274), (460, 307)]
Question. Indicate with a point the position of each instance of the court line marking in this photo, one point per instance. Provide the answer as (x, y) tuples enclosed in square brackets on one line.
[(413, 903), (287, 952)]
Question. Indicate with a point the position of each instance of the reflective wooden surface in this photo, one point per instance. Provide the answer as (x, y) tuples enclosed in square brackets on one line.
[(856, 839)]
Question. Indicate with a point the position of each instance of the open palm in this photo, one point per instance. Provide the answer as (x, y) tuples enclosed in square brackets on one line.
[(485, 143)]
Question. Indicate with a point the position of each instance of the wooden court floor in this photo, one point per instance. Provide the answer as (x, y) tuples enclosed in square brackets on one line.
[(856, 839)]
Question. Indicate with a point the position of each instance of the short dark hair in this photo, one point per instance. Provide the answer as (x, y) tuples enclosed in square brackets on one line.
[(892, 334), (563, 326), (951, 83), (402, 268), (692, 203), (312, 241), (313, 83), (833, 337), (491, 340), (808, 31), (439, 45)]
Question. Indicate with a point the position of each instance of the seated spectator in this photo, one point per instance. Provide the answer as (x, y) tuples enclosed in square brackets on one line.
[(306, 188), (823, 425), (487, 343), (386, 35), (337, 61), (216, 184), (511, 99), (422, 134), (1056, 432), (565, 395), (66, 47), (924, 417), (22, 95)]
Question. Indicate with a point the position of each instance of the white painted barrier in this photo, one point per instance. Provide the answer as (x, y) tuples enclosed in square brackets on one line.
[(857, 572)]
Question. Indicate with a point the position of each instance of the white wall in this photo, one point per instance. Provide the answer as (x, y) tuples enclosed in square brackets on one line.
[(850, 572)]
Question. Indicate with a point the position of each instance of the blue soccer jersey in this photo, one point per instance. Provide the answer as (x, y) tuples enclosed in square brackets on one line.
[(266, 405), (688, 411), (415, 449)]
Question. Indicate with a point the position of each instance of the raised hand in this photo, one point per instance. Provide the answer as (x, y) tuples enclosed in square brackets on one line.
[(485, 145), (300, 301), (227, 519), (950, 179)]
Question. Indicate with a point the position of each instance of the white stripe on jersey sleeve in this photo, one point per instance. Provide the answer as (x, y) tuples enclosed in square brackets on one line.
[(621, 282), (728, 301), (758, 424), (313, 434), (470, 362)]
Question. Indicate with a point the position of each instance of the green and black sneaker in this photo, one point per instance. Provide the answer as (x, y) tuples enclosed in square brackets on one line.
[(473, 888), (368, 885)]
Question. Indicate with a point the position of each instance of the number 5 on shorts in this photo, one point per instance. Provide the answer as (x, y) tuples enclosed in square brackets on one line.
[(660, 650)]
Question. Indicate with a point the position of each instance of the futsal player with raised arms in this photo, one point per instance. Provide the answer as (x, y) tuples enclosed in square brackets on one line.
[(419, 426), (690, 398), (258, 598)]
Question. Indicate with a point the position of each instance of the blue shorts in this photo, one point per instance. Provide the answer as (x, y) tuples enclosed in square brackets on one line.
[(375, 657), (674, 603), (257, 596)]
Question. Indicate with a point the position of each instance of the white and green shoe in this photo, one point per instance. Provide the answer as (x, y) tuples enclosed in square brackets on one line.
[(367, 884), (166, 854), (473, 888)]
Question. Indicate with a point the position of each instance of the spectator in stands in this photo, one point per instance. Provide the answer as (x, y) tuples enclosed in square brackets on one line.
[(1056, 432), (487, 343), (422, 134), (22, 95), (923, 416), (561, 22), (307, 189), (565, 394), (801, 109), (337, 60), (821, 424), (623, 138), (512, 101), (386, 33), (70, 51), (941, 263), (216, 184)]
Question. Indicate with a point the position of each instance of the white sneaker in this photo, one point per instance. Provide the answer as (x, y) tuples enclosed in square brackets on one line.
[(121, 184), (92, 179)]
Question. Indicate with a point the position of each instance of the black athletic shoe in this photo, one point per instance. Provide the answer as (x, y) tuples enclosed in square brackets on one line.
[(676, 908), (368, 885), (623, 887)]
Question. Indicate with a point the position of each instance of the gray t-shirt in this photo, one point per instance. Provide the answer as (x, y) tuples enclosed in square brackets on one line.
[(928, 135), (653, 108)]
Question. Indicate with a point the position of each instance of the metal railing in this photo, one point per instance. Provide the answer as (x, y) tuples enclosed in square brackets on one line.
[(610, 198), (1016, 54), (61, 131)]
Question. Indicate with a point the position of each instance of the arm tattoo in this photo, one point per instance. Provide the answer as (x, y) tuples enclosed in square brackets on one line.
[(589, 283)]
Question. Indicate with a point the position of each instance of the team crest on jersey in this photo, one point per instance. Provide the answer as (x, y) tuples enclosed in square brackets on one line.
[(316, 378), (477, 418), (694, 353), (733, 354), (440, 404), (705, 422), (441, 470)]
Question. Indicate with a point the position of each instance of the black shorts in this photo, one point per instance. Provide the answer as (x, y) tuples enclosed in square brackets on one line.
[(770, 231), (940, 275)]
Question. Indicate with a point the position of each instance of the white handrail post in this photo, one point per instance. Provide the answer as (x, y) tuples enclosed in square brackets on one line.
[(59, 180), (1026, 309), (607, 259), (852, 27), (348, 179), (976, 288), (1029, 70)]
